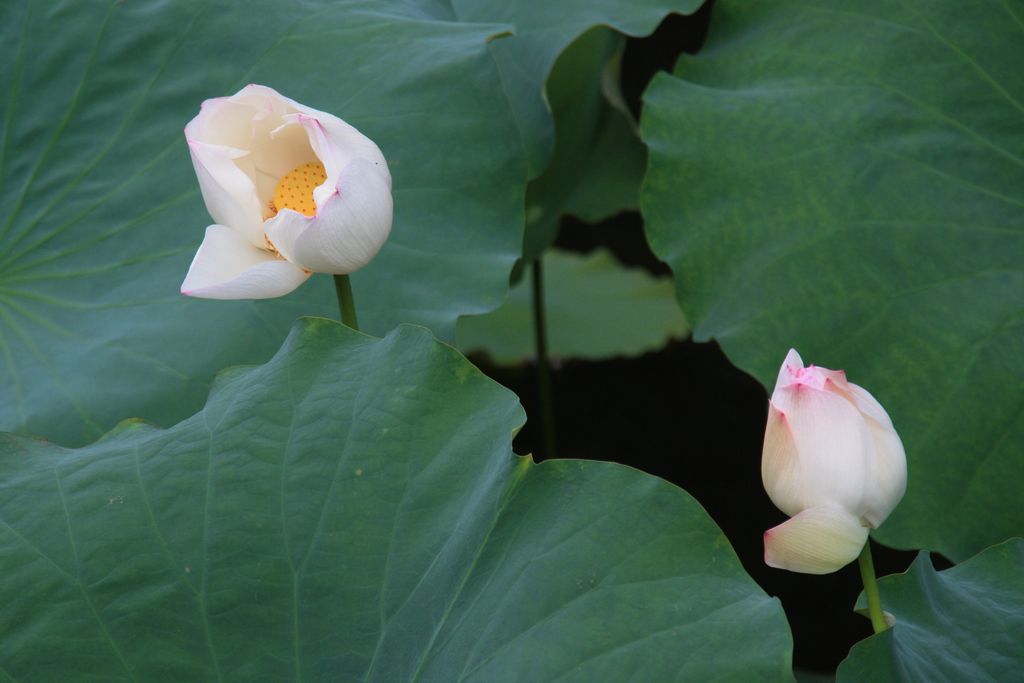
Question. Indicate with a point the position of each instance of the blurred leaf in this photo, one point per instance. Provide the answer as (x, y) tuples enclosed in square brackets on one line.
[(579, 109), (962, 624), (851, 183), (596, 308), (598, 159), (102, 213), (350, 511), (611, 173), (543, 29)]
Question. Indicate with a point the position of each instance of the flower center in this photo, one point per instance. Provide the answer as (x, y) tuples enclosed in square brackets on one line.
[(295, 190)]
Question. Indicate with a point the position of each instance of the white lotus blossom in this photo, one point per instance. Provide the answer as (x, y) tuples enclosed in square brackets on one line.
[(292, 191)]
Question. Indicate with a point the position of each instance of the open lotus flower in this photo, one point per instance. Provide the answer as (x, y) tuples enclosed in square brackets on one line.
[(293, 191), (832, 462)]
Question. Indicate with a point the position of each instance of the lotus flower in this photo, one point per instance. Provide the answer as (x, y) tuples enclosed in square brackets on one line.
[(833, 462), (292, 190)]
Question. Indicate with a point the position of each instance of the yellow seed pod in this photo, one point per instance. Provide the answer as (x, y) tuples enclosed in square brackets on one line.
[(295, 190)]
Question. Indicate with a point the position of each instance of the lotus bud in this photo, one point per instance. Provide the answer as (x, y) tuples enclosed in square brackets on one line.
[(833, 462)]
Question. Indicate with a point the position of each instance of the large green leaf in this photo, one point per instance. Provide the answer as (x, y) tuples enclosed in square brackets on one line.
[(851, 183), (595, 308), (542, 30), (101, 211), (352, 510), (962, 624)]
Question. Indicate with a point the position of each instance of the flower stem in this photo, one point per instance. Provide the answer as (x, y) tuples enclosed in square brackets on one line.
[(867, 574), (540, 336), (347, 306)]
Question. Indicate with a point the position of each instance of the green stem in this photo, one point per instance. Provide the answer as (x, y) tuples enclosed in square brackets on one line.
[(347, 306), (540, 336), (867, 574)]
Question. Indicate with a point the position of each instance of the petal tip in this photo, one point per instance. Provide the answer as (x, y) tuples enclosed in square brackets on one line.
[(789, 370), (769, 558), (312, 120), (776, 412)]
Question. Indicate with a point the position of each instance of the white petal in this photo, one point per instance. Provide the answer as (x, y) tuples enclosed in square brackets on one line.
[(819, 540), (228, 267), (278, 150), (266, 99), (337, 143), (779, 462), (228, 191), (831, 451), (222, 121), (868, 405), (887, 475), (349, 228)]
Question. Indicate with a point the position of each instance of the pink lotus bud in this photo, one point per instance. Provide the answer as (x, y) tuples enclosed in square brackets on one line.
[(832, 461)]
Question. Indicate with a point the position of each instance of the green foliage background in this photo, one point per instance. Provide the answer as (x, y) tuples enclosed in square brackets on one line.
[(845, 181)]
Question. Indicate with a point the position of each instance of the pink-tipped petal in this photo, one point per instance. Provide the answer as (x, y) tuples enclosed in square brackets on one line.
[(834, 380), (338, 143), (790, 367), (227, 266), (350, 227), (819, 540)]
